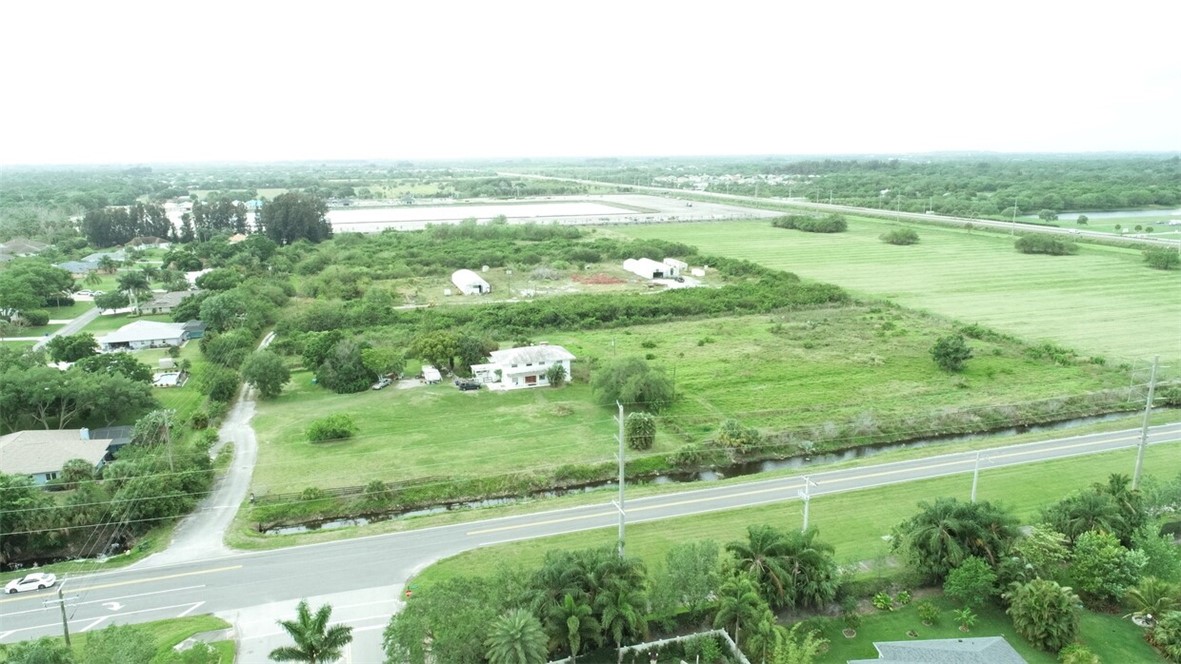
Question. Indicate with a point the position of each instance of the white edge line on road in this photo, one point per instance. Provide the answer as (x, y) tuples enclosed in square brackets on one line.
[(93, 624), (189, 610)]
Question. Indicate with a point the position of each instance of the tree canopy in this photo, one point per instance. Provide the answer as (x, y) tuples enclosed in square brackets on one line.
[(295, 216)]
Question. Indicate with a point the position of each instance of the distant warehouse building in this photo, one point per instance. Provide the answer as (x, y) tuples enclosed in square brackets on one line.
[(650, 269), (470, 283)]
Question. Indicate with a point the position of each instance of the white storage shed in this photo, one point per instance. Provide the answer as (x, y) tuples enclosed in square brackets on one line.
[(470, 283)]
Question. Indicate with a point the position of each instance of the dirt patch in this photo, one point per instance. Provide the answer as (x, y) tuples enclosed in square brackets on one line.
[(598, 279)]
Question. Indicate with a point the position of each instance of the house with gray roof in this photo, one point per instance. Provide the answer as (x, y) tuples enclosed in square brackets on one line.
[(78, 268), (42, 454), (983, 650), (143, 334), (19, 246), (164, 303)]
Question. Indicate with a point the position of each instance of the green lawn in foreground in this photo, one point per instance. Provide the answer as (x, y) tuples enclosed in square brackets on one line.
[(166, 634), (1109, 636), (754, 368), (73, 311), (1103, 300)]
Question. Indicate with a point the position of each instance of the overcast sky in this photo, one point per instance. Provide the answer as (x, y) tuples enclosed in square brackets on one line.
[(125, 82)]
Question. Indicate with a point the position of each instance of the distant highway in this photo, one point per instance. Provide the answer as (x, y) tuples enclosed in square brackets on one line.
[(363, 577), (1003, 226)]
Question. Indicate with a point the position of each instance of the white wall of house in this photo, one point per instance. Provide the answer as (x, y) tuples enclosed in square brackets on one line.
[(508, 374)]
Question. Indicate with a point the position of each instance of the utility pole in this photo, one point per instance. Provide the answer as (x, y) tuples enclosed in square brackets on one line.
[(61, 602), (619, 502), (1144, 428), (975, 476), (806, 494)]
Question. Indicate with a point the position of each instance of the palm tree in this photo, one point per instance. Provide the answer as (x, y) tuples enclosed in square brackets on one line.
[(572, 623), (814, 574), (107, 264), (136, 285), (92, 278), (315, 641), (516, 638), (1152, 598), (762, 635), (761, 556), (739, 603), (1083, 512), (621, 612)]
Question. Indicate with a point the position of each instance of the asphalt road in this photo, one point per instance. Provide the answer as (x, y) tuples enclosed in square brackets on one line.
[(364, 577), (72, 327)]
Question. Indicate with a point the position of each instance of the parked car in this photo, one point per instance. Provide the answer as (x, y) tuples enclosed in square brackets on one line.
[(467, 385), (34, 581), (382, 383)]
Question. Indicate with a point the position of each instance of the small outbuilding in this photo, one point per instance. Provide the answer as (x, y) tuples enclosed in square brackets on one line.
[(646, 268), (518, 368), (470, 283), (675, 267)]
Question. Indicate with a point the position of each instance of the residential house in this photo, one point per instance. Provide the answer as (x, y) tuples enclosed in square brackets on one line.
[(143, 334), (984, 650), (518, 368), (163, 303), (118, 255), (78, 268), (19, 246), (42, 454), (470, 283)]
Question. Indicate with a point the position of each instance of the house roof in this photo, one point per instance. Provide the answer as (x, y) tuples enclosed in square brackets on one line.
[(21, 245), (77, 267), (530, 355), (34, 452), (985, 650), (467, 278), (144, 330), (118, 255), (170, 299)]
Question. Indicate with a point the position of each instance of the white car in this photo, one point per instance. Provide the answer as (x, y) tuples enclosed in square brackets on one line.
[(34, 581), (382, 383)]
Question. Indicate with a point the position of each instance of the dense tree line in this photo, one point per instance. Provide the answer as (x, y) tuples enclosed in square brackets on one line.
[(810, 223), (111, 226), (984, 186)]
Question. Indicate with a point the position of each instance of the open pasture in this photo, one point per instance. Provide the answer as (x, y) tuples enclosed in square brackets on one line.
[(1102, 301), (775, 372)]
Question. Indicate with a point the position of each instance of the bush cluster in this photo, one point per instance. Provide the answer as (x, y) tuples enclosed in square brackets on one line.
[(831, 223), (1045, 244)]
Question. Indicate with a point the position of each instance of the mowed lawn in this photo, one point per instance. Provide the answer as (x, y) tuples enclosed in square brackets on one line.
[(781, 372), (426, 431), (1103, 300)]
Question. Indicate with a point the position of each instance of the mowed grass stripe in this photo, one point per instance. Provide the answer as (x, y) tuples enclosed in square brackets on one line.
[(1103, 301)]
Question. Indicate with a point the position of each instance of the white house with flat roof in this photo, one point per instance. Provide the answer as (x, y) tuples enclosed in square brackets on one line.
[(518, 368), (42, 454), (143, 334)]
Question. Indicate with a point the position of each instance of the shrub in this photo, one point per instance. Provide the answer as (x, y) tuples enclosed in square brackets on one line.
[(928, 612), (1045, 244), (634, 383), (901, 236), (639, 429), (1162, 259), (556, 375), (951, 352), (1077, 653), (903, 597), (337, 426), (832, 223), (35, 317), (882, 601)]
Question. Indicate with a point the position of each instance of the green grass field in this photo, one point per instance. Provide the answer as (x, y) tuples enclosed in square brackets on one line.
[(1111, 637), (753, 368), (166, 634), (1103, 300)]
